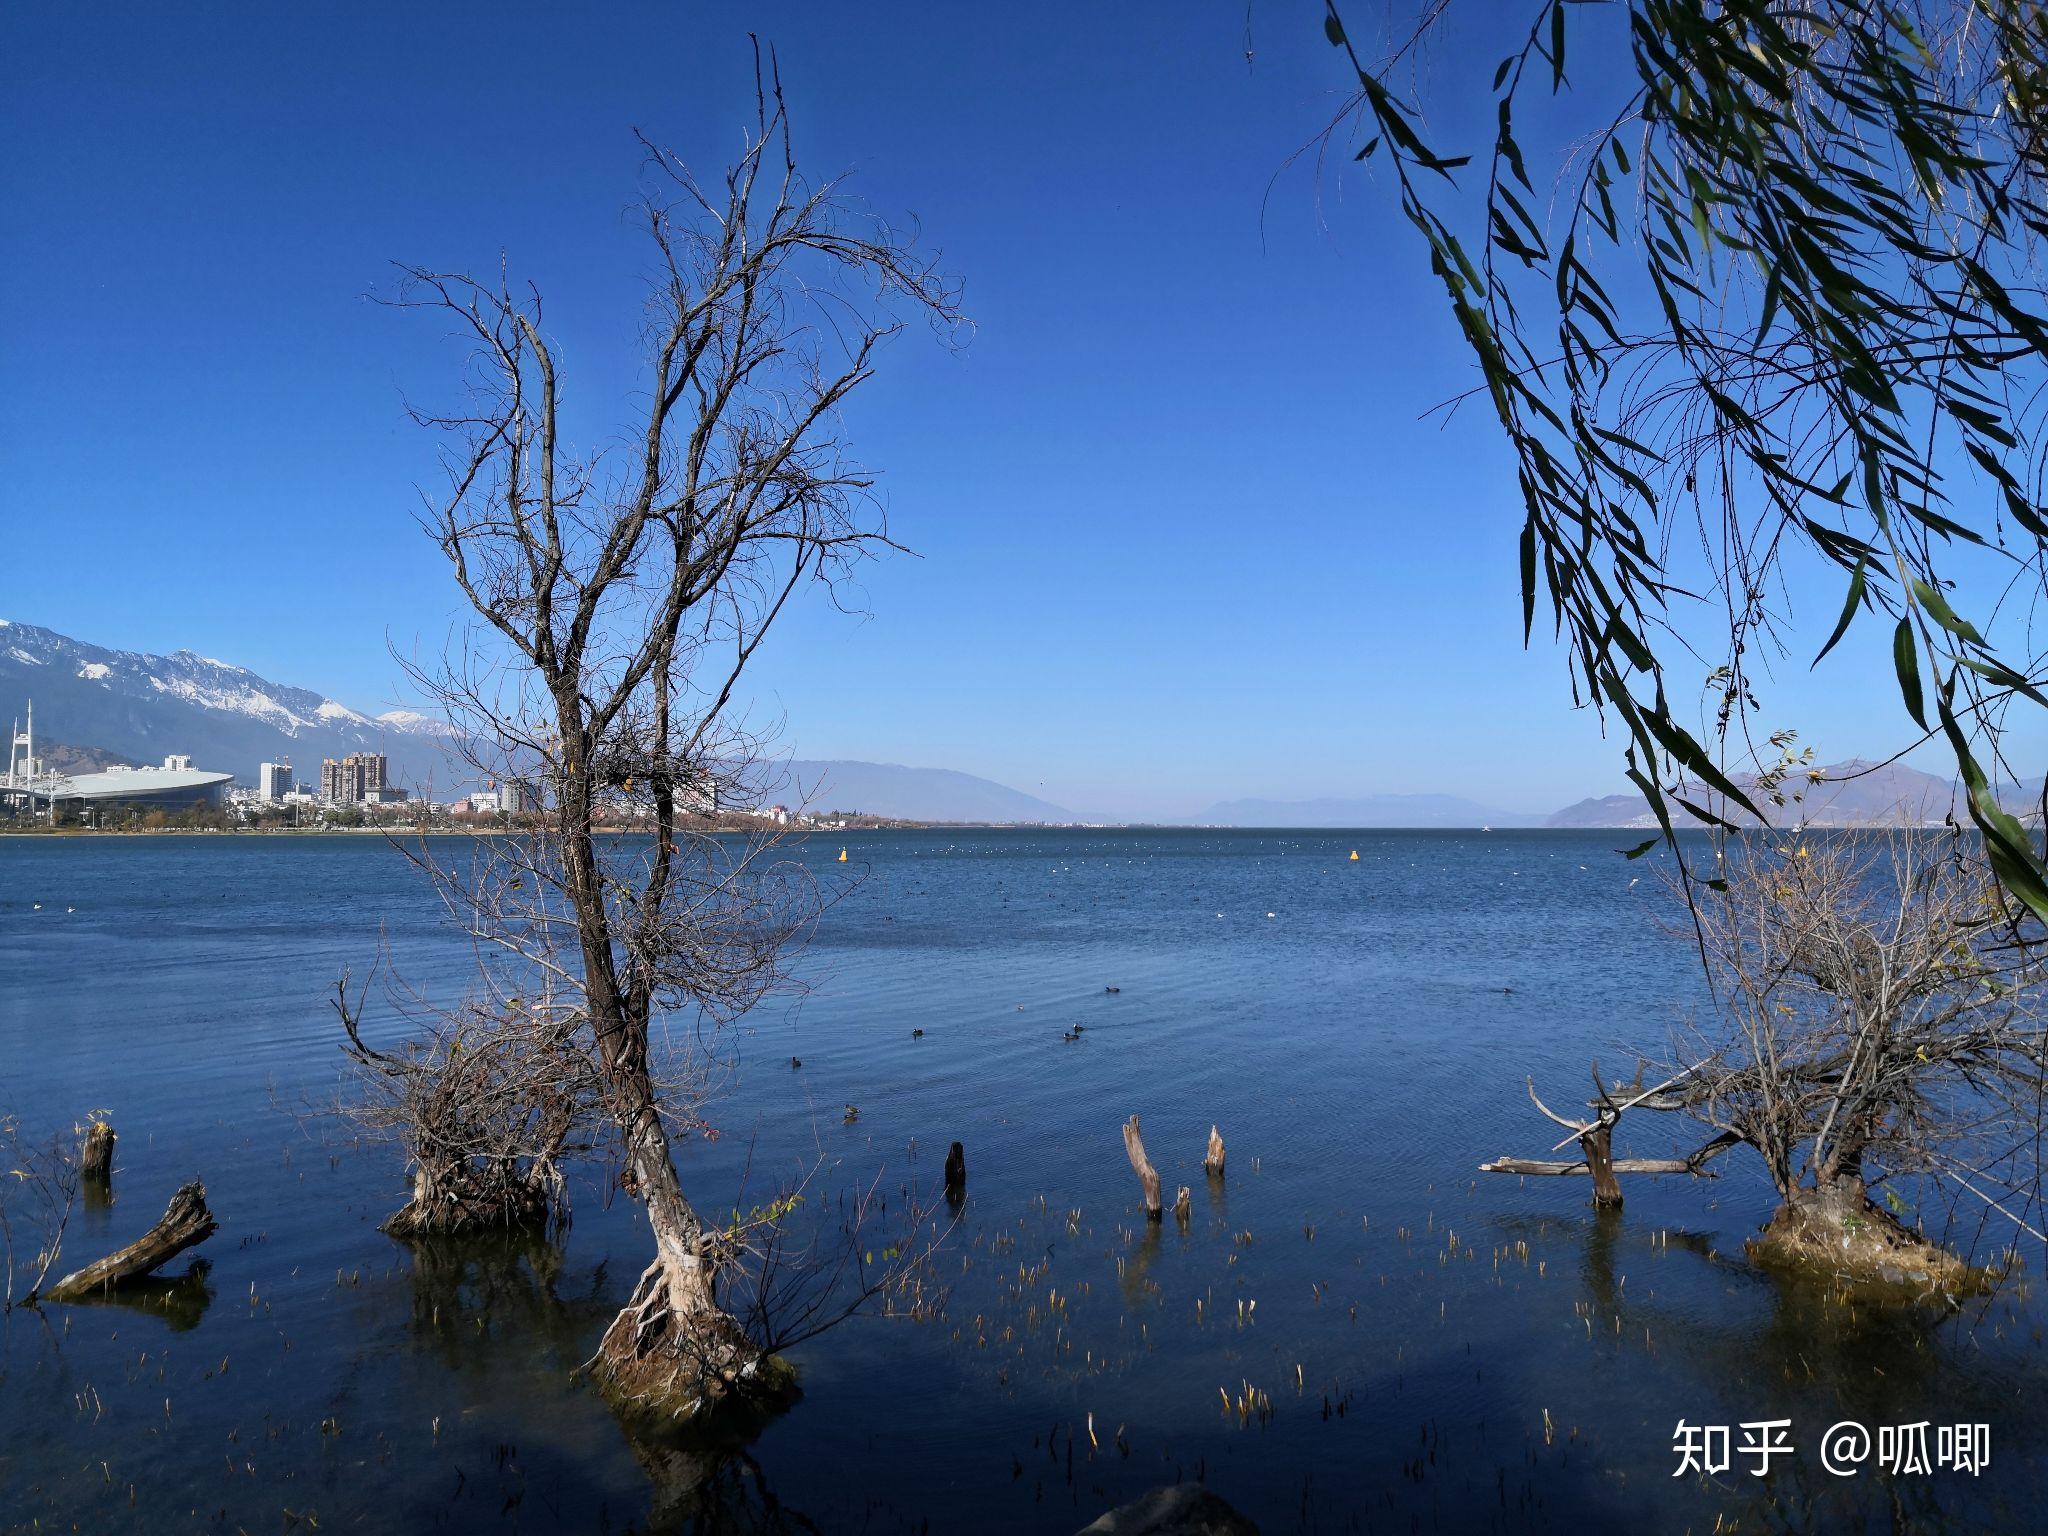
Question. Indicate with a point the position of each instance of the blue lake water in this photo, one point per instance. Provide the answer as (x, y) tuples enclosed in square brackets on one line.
[(1442, 1350)]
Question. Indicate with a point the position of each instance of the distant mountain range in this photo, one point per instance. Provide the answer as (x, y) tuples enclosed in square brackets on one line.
[(128, 706), (135, 707), (96, 707), (1365, 811), (1851, 793), (909, 794)]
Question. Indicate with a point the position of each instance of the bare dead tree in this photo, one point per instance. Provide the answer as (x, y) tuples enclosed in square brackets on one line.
[(1883, 1018), (620, 598), (1880, 1018), (488, 1100)]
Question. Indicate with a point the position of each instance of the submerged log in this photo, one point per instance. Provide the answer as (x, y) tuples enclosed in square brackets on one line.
[(186, 1221), (96, 1156), (1148, 1176), (1212, 1163), (1618, 1165)]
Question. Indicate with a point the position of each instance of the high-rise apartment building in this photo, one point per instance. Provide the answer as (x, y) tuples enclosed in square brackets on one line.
[(273, 781), (351, 781)]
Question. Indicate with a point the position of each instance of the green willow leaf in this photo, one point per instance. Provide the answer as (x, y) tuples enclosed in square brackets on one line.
[(1906, 658), (1849, 607)]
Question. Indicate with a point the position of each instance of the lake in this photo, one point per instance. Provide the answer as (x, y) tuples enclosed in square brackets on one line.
[(1429, 1348)]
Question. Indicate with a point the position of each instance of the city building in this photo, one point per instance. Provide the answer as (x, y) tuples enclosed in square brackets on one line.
[(697, 794), (273, 781), (354, 779), (175, 785)]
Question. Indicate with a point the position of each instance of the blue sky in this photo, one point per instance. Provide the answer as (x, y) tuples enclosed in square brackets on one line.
[(1182, 531)]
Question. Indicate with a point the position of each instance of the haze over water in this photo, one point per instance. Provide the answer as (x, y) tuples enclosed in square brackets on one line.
[(1360, 1031)]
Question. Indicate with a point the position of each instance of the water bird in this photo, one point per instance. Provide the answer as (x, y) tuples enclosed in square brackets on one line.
[(1271, 914), (1112, 989), (917, 1034), (69, 910), (795, 1062), (852, 1113), (39, 906)]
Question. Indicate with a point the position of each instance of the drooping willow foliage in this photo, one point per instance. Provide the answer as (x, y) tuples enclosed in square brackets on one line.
[(1785, 293)]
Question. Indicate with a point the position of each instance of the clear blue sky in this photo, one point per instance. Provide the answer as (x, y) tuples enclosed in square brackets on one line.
[(1183, 532)]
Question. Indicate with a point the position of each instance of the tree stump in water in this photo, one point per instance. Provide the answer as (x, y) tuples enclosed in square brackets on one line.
[(186, 1221), (1212, 1163), (956, 1172), (96, 1157), (1181, 1206), (1598, 1145), (1148, 1176)]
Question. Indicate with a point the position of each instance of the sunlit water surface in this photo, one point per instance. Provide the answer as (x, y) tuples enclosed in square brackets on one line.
[(1441, 1350)]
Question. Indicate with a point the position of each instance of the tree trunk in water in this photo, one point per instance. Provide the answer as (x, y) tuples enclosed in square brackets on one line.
[(1148, 1176), (186, 1221), (1212, 1161), (956, 1173), (1835, 1232), (462, 1198), (673, 1352), (96, 1157), (1598, 1145)]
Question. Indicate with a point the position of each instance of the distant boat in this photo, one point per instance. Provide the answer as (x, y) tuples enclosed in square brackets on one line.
[(1486, 829)]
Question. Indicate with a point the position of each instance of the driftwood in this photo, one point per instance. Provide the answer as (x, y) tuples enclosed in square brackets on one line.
[(1653, 1165), (956, 1171), (186, 1221), (96, 1157), (1212, 1162), (1134, 1148), (1596, 1139)]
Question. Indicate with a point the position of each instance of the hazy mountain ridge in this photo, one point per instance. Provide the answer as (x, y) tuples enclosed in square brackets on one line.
[(1418, 810), (1851, 793), (911, 794)]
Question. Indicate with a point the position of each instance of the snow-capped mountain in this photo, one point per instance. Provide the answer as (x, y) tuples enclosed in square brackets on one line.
[(140, 707)]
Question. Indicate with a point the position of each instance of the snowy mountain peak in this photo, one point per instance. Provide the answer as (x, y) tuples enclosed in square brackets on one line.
[(140, 706)]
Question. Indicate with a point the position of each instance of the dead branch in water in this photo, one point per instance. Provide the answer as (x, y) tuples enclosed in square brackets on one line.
[(38, 1192), (185, 1221), (1596, 1138)]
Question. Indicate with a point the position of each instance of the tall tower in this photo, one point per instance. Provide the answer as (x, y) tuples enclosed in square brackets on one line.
[(23, 742)]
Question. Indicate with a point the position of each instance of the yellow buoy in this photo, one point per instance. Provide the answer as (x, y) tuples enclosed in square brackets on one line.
[(842, 855), (1354, 855)]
